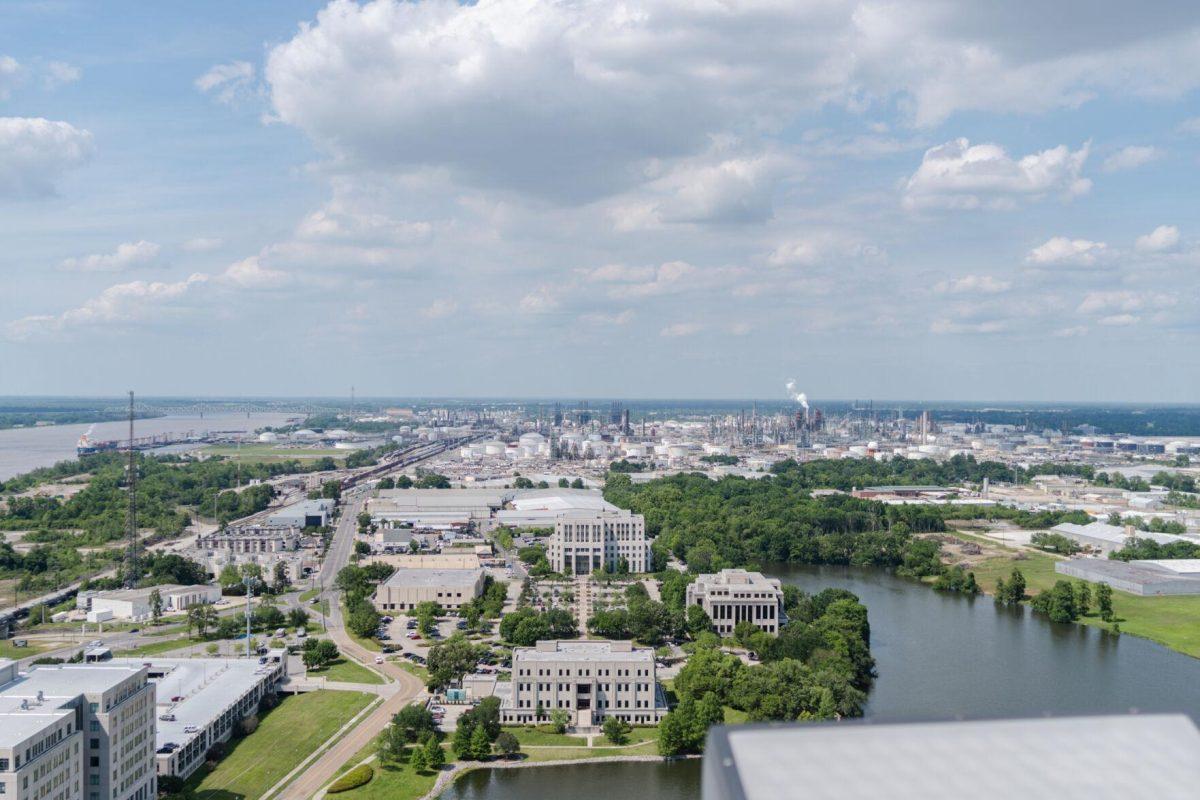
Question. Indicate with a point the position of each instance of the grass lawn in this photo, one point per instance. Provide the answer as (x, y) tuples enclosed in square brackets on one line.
[(347, 671), (285, 737), (734, 717), (269, 453), (415, 669), (309, 595), (391, 781), (155, 648), (527, 736), (566, 753), (1171, 621), (32, 649)]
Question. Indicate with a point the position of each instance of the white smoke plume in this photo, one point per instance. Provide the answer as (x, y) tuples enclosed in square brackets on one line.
[(799, 397)]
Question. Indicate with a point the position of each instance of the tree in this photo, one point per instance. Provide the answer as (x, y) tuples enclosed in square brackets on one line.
[(282, 581), (156, 605), (450, 660), (417, 759), (577, 483), (1083, 598), (388, 483), (462, 738), (363, 620), (559, 719), (413, 723), (507, 744), (698, 621), (297, 618), (481, 746), (319, 653), (229, 577), (563, 483), (1104, 601), (616, 730), (435, 757), (1058, 602), (404, 482)]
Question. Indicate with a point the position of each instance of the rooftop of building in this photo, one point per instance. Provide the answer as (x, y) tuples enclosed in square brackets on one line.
[(583, 650), (737, 577), (1116, 534), (58, 685), (415, 576), (145, 592), (207, 686)]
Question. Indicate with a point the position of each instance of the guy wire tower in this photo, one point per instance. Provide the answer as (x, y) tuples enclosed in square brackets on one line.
[(131, 576)]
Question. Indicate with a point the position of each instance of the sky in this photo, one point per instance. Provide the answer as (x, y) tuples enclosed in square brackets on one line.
[(929, 199)]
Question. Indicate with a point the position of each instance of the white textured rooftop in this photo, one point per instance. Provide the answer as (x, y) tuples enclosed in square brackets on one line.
[(58, 684), (584, 651), (415, 576)]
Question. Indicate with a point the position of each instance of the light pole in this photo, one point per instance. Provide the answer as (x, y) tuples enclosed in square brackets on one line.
[(249, 582)]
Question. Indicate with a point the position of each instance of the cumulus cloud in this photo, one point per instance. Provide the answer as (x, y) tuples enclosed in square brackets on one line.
[(249, 273), (35, 153), (1124, 301), (539, 301), (439, 309), (60, 73), (818, 248), (948, 326), (680, 329), (667, 278), (228, 82), (333, 222), (123, 303), (10, 75), (127, 256), (1131, 157), (960, 175), (1164, 237), (972, 284), (1061, 250), (601, 318), (1190, 126)]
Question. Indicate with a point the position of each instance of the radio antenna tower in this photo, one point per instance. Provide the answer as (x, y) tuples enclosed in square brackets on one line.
[(131, 576)]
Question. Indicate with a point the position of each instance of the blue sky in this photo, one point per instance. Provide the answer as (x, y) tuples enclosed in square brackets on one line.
[(932, 200)]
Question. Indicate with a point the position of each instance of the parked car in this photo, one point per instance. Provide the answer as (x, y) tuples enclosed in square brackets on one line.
[(378, 659), (412, 625), (414, 635)]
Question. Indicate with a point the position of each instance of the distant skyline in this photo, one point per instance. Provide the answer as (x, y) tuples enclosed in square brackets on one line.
[(652, 199)]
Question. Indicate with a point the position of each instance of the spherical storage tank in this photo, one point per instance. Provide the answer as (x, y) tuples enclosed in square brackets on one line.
[(268, 436), (493, 448), (532, 439), (677, 451)]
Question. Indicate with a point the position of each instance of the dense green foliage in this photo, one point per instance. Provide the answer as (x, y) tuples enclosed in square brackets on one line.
[(1139, 549), (643, 619), (356, 777), (1012, 591), (1055, 543), (718, 458), (525, 626), (1059, 602), (819, 667), (957, 579), (451, 659)]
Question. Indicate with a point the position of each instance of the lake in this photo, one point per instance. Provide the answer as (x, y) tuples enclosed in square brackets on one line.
[(939, 656)]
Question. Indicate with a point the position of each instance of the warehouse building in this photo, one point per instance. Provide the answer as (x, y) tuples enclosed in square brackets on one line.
[(202, 700), (305, 514), (77, 732), (589, 679), (408, 587), (735, 595), (585, 541), (1144, 578), (1105, 538), (134, 604)]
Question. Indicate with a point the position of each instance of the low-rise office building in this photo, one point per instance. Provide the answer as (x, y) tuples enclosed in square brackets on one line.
[(735, 595), (408, 587), (585, 541), (252, 539), (590, 680), (77, 732), (202, 700)]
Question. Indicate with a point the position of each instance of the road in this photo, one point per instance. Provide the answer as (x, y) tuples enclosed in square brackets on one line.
[(321, 771)]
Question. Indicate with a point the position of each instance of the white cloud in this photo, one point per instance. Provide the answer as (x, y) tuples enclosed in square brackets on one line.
[(10, 75), (1061, 250), (60, 73), (539, 301), (1118, 320), (972, 284), (249, 273), (600, 318), (228, 82), (948, 326), (818, 248), (1124, 300), (1164, 237), (668, 278), (1070, 332), (960, 175), (1189, 126), (680, 329), (439, 309), (202, 244), (127, 256), (1131, 157), (36, 152), (123, 303), (334, 222)]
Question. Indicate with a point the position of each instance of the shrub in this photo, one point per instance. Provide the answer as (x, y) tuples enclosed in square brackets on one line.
[(359, 776)]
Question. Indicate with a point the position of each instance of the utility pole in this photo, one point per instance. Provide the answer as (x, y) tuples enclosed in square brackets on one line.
[(131, 576), (249, 583)]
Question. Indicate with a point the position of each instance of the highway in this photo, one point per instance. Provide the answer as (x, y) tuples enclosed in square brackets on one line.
[(322, 770)]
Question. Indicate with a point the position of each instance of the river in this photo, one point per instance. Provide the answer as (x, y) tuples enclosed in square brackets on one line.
[(939, 656), (25, 449)]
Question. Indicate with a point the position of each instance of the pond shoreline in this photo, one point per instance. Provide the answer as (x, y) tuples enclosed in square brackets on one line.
[(460, 769)]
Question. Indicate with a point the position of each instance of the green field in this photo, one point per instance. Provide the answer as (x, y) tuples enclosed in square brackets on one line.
[(414, 669), (1171, 621), (534, 736), (286, 736), (346, 670), (156, 648), (34, 647), (270, 452)]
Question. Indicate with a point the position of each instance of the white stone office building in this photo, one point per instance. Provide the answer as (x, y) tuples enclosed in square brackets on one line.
[(591, 680), (134, 604), (76, 732), (585, 541), (735, 595)]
